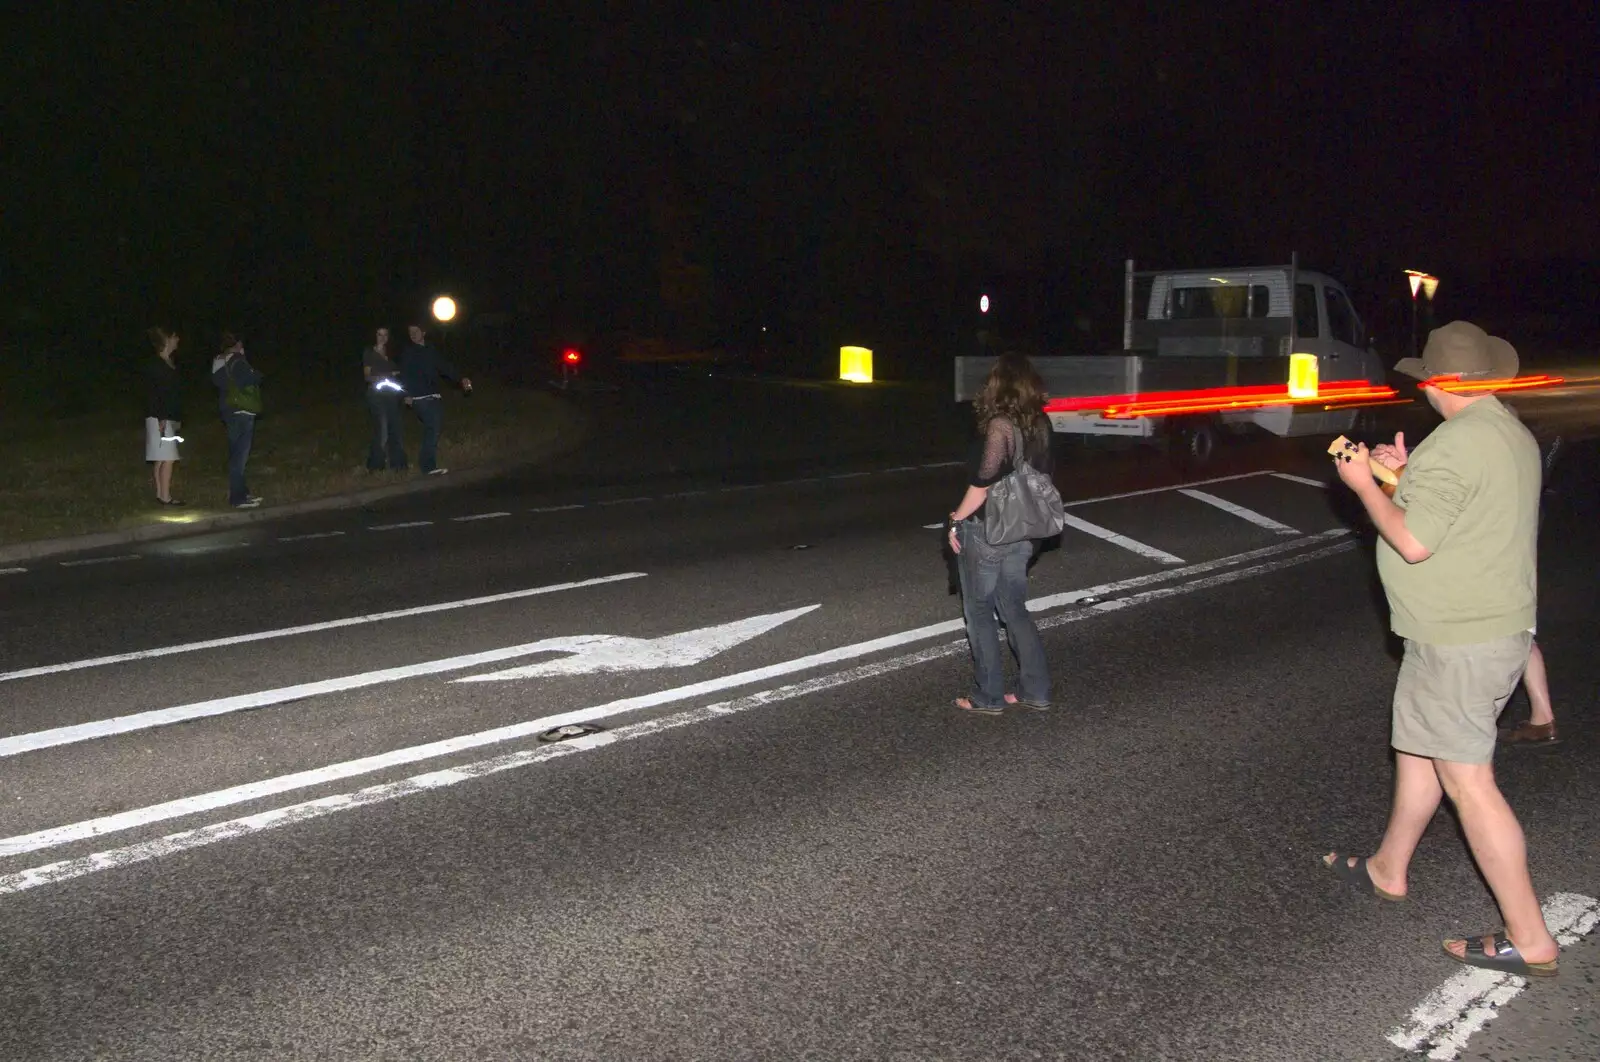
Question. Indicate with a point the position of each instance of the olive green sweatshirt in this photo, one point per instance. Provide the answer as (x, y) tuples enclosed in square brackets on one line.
[(1470, 492)]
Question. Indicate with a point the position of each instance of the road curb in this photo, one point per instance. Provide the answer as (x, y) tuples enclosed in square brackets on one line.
[(152, 532)]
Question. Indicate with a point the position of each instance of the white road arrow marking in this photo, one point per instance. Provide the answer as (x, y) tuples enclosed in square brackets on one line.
[(609, 652)]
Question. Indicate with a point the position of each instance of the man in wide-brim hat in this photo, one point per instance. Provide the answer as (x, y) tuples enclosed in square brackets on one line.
[(1457, 557)]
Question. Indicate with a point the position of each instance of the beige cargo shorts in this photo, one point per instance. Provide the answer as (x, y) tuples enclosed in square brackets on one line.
[(1448, 697)]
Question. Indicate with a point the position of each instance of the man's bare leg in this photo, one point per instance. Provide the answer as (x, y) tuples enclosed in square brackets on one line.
[(1416, 797), (1537, 683), (1501, 852)]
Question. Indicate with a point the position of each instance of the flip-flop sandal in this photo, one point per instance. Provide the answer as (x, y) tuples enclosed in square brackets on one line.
[(966, 704), (1501, 956), (1357, 877)]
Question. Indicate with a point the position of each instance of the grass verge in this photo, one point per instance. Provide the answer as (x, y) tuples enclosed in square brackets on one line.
[(88, 474)]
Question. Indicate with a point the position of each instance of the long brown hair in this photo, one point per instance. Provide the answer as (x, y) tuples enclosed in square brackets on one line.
[(1014, 391)]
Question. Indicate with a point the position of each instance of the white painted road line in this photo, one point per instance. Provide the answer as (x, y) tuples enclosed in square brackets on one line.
[(12, 571), (849, 475), (1164, 490), (307, 538), (99, 560), (686, 494), (1469, 1000), (625, 501), (1300, 479), (66, 870), (1240, 511), (1105, 534), (397, 527), (309, 628), (554, 508), (324, 775), (477, 516)]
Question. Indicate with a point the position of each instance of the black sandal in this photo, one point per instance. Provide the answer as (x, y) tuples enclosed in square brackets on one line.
[(1494, 951), (1357, 876)]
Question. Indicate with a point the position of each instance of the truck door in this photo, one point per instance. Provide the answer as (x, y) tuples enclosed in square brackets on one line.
[(1347, 353)]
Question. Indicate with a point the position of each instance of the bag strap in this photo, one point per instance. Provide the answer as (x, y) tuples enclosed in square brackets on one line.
[(1021, 457)]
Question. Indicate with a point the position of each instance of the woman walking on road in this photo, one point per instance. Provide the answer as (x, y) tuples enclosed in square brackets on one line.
[(163, 413), (383, 402), (994, 579)]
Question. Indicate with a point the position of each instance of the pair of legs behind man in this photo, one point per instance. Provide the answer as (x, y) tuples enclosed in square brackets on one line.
[(1447, 700), (994, 581)]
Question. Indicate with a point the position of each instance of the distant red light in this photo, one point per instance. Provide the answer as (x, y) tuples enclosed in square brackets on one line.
[(571, 356)]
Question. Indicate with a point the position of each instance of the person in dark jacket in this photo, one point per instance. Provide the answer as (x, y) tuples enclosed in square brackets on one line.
[(422, 368), (238, 396), (383, 402), (163, 413)]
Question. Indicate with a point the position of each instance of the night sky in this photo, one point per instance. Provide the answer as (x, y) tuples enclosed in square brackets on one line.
[(696, 172)]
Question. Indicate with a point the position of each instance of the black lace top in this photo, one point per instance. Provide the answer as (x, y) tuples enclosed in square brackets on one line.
[(994, 455)]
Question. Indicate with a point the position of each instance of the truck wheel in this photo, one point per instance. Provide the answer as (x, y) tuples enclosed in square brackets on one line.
[(1194, 443)]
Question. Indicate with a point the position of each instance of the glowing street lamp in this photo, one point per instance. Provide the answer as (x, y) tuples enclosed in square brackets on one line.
[(983, 304), (444, 309), (1429, 284)]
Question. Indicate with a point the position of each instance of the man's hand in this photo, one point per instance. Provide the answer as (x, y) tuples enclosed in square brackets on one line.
[(955, 539), (1353, 468), (1392, 457)]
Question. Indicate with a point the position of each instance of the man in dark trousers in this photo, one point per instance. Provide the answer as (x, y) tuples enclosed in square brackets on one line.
[(422, 368), (239, 398)]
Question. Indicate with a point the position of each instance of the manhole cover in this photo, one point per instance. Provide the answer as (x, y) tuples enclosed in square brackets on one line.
[(570, 731)]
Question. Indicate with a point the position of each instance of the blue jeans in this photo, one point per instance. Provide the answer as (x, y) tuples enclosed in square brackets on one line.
[(994, 579), (431, 412), (241, 429), (387, 443)]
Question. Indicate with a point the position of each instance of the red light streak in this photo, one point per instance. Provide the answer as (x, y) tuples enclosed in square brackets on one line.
[(1215, 399), (1454, 384)]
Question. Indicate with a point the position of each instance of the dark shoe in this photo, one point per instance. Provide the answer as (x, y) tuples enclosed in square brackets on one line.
[(1531, 734), (1358, 878), (1494, 951)]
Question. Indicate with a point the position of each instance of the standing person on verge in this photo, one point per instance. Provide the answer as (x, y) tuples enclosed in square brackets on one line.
[(1457, 556), (383, 402), (239, 396), (163, 413), (421, 368), (1013, 427)]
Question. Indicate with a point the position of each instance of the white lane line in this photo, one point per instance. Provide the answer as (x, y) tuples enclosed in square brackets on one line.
[(477, 516), (240, 794), (686, 494), (1300, 479), (309, 628), (934, 527), (554, 508), (12, 571), (943, 464), (1164, 490), (195, 551), (1446, 1019), (849, 475), (99, 560), (741, 486), (309, 537), (1107, 535), (1240, 511), (397, 527), (899, 468), (625, 501), (69, 869)]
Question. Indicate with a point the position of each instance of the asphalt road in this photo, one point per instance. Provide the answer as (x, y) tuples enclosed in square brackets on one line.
[(280, 793)]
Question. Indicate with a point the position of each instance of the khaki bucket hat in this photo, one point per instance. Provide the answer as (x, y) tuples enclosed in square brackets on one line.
[(1462, 349)]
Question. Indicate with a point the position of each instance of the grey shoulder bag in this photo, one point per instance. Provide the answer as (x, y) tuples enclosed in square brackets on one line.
[(1023, 505)]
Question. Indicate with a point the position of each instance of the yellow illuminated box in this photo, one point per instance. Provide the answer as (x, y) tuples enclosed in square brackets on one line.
[(855, 364), (1302, 376)]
